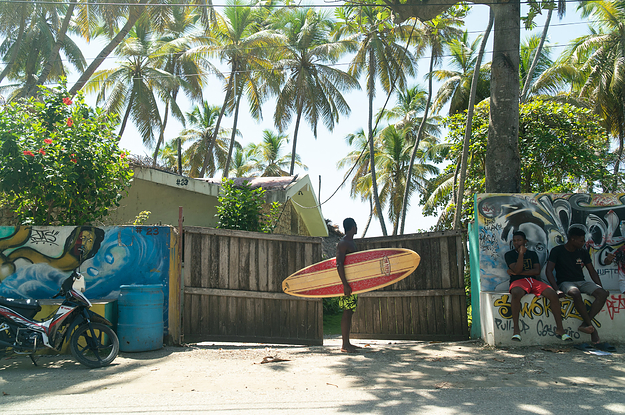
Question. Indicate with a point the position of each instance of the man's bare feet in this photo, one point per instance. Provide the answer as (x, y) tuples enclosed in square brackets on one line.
[(586, 329), (594, 337), (350, 348)]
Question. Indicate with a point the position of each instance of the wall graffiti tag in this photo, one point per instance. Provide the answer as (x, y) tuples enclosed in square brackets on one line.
[(545, 219), (539, 307), (614, 304)]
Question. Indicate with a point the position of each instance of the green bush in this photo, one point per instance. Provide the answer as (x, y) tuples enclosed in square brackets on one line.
[(60, 163), (240, 207)]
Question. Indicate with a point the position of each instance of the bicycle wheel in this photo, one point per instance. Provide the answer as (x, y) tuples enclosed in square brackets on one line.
[(94, 351)]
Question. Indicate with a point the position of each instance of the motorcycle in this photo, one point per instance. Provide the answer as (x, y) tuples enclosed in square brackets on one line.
[(92, 341)]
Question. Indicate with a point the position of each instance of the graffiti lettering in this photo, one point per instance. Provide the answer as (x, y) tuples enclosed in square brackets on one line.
[(615, 304), (539, 306), (182, 182), (506, 325), (43, 237), (544, 330)]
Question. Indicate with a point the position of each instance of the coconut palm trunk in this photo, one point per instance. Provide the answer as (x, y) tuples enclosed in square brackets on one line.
[(404, 205), (374, 184), (468, 127), (213, 138), (297, 124), (134, 14), (503, 163), (539, 49), (233, 136), (161, 136)]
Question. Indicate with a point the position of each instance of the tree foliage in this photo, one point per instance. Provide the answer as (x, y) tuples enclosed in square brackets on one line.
[(563, 149), (60, 163)]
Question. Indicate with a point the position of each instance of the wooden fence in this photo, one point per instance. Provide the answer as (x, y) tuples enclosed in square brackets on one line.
[(233, 287), (428, 305)]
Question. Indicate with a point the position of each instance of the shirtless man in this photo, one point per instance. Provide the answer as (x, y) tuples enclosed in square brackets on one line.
[(347, 302)]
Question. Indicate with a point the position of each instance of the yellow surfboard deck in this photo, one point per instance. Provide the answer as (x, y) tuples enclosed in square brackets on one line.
[(364, 270)]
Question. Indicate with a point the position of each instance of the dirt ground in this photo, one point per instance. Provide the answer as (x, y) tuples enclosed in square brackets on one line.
[(265, 368)]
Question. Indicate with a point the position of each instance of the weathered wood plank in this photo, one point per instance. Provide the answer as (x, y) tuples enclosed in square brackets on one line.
[(445, 265), (235, 264), (224, 263), (413, 293), (205, 261)]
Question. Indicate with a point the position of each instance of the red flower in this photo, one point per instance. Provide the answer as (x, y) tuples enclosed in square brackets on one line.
[(70, 122), (47, 141), (67, 101), (28, 153), (73, 160), (123, 156), (41, 151)]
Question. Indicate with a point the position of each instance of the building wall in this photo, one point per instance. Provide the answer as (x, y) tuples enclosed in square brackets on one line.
[(163, 202)]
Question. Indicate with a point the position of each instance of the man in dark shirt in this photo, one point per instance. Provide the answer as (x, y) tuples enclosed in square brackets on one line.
[(569, 260), (524, 268), (347, 302)]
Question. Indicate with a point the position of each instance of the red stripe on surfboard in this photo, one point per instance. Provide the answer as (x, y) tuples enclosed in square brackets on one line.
[(353, 258), (357, 286)]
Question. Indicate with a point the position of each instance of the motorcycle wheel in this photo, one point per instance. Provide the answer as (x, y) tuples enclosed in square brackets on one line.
[(86, 349)]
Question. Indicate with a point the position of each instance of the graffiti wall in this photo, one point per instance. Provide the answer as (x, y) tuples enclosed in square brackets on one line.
[(537, 324), (34, 261), (545, 219)]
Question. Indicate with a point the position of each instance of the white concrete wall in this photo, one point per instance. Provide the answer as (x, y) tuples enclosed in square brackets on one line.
[(537, 324)]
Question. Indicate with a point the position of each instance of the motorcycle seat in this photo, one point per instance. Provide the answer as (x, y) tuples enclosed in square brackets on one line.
[(26, 307)]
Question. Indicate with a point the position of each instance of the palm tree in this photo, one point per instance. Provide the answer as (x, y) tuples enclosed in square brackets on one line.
[(14, 19), (379, 55), (267, 156), (435, 35), (393, 163), (133, 87), (28, 51), (457, 79), (533, 65), (109, 14), (312, 88), (202, 123), (237, 41), (190, 69), (242, 165), (604, 51), (359, 160)]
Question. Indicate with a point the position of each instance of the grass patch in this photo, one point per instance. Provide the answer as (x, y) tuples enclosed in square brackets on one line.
[(332, 323)]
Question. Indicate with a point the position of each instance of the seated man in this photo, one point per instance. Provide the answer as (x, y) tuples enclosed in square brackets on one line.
[(569, 260), (524, 268)]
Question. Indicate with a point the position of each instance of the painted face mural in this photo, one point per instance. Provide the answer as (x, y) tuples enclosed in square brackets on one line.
[(545, 220), (34, 260)]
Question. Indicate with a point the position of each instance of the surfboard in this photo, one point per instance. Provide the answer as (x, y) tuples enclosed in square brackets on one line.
[(364, 270)]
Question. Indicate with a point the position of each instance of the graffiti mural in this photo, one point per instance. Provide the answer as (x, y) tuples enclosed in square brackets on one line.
[(35, 260), (545, 219)]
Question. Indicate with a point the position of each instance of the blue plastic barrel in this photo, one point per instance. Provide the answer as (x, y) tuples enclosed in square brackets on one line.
[(140, 318)]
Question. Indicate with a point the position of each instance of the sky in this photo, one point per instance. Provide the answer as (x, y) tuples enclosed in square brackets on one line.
[(321, 155)]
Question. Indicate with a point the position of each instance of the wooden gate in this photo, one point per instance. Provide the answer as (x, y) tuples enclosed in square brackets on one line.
[(428, 305), (233, 287)]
